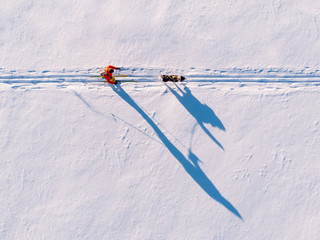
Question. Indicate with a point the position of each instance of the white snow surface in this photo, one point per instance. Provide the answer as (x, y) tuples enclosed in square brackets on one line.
[(148, 33), (231, 153)]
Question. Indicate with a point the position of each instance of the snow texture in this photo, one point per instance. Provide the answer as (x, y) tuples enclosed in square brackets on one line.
[(230, 153)]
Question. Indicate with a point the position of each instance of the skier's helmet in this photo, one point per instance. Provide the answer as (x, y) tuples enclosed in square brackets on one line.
[(111, 70)]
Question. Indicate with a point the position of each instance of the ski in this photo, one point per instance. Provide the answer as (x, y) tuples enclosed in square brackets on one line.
[(97, 76), (121, 81), (127, 81)]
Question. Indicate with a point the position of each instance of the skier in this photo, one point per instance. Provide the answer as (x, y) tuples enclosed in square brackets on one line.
[(107, 74)]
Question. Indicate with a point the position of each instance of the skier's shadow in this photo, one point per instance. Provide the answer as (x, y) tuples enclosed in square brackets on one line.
[(201, 112), (190, 165)]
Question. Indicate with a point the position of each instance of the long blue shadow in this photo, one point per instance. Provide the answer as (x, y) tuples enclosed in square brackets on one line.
[(191, 167), (201, 112)]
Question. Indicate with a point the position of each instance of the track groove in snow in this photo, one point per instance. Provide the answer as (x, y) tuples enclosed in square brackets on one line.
[(152, 75)]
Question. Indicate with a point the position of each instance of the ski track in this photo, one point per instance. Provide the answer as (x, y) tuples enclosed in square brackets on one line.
[(17, 79)]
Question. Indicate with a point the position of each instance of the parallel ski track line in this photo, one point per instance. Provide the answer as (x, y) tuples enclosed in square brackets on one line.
[(239, 78)]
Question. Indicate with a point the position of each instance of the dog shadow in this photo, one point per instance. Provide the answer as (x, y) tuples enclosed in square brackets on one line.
[(201, 112)]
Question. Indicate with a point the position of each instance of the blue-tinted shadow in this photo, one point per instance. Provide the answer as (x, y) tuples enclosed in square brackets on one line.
[(201, 112), (190, 165)]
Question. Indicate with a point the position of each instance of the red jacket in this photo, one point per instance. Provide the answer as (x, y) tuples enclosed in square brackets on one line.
[(108, 74)]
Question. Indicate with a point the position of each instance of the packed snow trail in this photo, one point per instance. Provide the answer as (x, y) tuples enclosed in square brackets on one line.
[(152, 75)]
